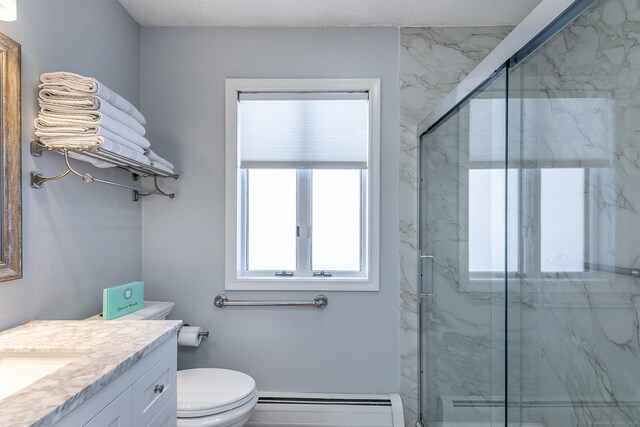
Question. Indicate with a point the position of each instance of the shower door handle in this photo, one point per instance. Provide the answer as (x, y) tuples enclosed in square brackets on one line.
[(431, 258)]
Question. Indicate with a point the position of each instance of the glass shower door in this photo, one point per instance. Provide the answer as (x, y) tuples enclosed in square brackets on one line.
[(530, 268), (463, 241), (575, 120)]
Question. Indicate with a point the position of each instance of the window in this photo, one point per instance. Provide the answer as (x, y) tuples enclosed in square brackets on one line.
[(302, 184)]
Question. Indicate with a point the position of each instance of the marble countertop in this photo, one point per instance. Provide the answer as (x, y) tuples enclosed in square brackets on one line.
[(109, 349)]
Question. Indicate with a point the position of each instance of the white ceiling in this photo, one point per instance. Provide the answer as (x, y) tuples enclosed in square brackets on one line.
[(328, 13)]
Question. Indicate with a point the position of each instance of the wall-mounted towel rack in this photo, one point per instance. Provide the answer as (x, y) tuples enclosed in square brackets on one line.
[(136, 168), (633, 272), (320, 301)]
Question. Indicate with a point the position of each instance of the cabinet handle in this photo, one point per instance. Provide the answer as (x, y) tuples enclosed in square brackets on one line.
[(159, 388)]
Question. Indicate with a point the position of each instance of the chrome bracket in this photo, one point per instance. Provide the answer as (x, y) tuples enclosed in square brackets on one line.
[(320, 301), (36, 149), (137, 194), (38, 180), (220, 301)]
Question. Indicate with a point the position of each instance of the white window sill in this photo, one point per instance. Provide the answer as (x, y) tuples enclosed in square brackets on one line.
[(300, 284)]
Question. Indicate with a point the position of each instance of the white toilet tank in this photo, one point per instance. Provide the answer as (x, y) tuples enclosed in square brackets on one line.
[(152, 310)]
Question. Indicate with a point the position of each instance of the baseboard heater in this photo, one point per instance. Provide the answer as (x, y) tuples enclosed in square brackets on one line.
[(327, 410)]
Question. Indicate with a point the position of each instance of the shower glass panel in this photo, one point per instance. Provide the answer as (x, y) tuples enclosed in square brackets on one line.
[(463, 265), (574, 123), (530, 237)]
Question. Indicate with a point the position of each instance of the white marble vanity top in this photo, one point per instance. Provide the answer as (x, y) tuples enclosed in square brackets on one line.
[(107, 350)]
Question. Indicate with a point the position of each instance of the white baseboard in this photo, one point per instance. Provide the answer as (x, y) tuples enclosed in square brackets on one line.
[(327, 410)]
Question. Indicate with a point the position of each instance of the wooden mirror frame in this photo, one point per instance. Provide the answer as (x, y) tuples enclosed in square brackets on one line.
[(10, 162)]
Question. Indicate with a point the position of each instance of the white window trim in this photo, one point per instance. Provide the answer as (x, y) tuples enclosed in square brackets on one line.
[(233, 279)]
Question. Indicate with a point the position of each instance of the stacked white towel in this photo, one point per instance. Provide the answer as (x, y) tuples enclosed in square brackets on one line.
[(159, 162), (78, 112), (77, 85)]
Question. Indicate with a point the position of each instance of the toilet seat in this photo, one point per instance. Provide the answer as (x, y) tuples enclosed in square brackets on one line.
[(208, 391)]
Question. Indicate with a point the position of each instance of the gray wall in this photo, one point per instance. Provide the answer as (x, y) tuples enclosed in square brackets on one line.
[(352, 345), (78, 238)]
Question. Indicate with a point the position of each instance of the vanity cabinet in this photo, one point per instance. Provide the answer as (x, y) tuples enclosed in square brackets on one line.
[(142, 396), (154, 390), (117, 413)]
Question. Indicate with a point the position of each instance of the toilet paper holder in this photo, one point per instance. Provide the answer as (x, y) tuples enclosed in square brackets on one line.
[(201, 334)]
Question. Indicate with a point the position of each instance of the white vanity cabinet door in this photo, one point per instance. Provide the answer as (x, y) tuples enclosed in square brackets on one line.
[(168, 416), (152, 392), (116, 414), (129, 400)]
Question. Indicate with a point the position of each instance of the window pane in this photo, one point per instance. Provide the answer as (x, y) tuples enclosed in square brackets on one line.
[(271, 228), (562, 215), (486, 220), (336, 219)]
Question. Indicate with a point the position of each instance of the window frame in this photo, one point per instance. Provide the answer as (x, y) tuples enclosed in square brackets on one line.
[(235, 277)]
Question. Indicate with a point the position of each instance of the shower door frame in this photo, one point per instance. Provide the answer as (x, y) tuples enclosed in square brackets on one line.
[(422, 296)]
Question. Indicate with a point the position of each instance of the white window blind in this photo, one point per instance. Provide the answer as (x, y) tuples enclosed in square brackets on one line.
[(303, 130)]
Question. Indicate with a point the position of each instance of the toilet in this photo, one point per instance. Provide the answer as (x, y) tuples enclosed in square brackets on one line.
[(215, 397), (207, 397)]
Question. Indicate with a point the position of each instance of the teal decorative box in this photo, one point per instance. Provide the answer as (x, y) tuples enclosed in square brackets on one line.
[(120, 300)]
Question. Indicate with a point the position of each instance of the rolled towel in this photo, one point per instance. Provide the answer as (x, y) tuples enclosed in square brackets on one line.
[(52, 126), (52, 107), (74, 99), (89, 140), (157, 159), (75, 82), (71, 142), (106, 144)]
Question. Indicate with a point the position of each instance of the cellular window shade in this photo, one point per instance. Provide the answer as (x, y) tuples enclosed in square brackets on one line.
[(303, 130)]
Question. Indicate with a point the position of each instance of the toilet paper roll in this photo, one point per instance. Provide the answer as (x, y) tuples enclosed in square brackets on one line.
[(189, 336)]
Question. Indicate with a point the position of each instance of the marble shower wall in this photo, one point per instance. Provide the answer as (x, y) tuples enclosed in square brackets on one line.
[(433, 61)]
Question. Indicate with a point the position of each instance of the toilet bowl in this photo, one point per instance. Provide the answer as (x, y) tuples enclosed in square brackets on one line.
[(207, 397), (215, 398)]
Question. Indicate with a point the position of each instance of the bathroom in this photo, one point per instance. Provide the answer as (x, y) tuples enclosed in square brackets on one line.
[(457, 349)]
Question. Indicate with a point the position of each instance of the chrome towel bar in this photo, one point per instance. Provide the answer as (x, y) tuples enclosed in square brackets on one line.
[(222, 301)]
